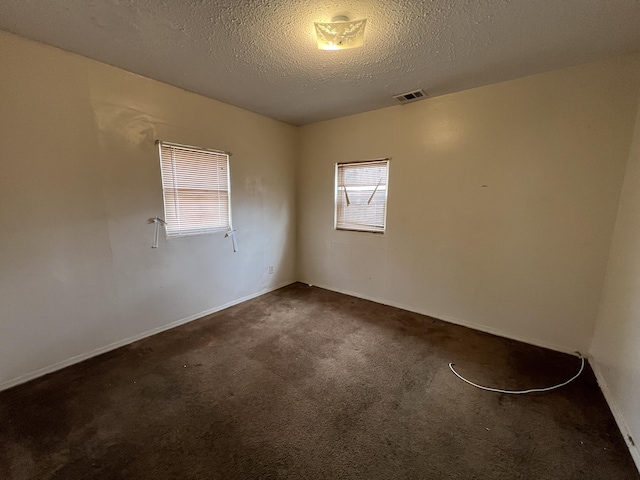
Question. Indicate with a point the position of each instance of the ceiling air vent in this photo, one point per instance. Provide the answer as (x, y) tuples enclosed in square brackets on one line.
[(410, 96)]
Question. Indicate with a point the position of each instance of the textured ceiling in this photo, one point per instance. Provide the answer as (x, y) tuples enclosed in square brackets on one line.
[(261, 54)]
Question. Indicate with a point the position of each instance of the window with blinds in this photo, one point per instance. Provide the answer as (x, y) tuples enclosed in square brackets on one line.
[(361, 196), (195, 184)]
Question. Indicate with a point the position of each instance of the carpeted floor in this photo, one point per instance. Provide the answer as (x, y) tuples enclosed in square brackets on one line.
[(304, 383)]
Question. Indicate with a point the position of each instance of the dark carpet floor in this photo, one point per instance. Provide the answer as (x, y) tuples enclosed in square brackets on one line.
[(304, 383)]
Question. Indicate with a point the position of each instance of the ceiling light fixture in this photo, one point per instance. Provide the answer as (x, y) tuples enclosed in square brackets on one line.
[(340, 33)]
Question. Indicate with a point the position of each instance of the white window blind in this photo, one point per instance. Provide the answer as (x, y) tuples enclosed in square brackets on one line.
[(361, 195), (195, 184)]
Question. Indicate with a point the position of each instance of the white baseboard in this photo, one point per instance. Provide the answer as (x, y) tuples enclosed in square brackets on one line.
[(456, 321), (617, 414), (121, 343)]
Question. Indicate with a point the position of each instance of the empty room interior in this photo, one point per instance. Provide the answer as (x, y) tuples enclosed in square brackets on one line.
[(296, 239)]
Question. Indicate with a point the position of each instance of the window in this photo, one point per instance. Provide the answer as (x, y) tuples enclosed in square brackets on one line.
[(195, 185), (361, 195)]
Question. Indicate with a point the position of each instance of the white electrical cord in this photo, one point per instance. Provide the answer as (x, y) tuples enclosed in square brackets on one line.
[(518, 392)]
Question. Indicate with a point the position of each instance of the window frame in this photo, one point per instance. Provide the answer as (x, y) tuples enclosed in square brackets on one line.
[(337, 193), (191, 230)]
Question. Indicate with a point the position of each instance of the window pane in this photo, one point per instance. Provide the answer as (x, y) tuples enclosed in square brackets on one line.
[(361, 195), (196, 190)]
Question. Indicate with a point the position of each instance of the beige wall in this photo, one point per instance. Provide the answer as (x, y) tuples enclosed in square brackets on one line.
[(616, 343), (80, 177), (502, 202)]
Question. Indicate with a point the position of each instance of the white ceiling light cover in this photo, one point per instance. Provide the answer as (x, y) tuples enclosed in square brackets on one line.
[(339, 35)]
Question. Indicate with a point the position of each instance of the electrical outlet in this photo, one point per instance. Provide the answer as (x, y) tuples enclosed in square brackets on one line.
[(270, 269)]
